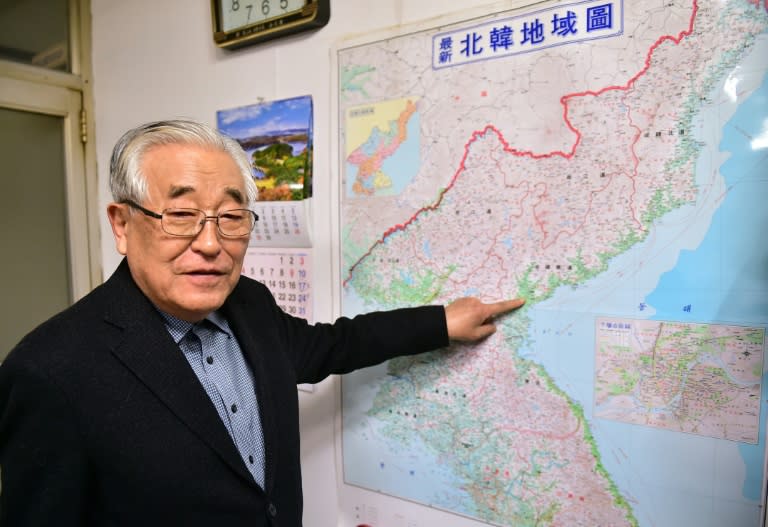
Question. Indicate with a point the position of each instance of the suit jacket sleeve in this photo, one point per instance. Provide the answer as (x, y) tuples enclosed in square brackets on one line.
[(40, 448), (319, 350)]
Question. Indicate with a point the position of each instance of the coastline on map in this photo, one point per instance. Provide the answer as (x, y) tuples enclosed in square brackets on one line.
[(634, 286)]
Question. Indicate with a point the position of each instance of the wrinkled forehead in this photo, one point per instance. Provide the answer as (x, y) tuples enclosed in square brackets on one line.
[(177, 170), (235, 193)]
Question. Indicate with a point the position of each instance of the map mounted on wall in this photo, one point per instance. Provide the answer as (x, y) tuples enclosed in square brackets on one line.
[(605, 160)]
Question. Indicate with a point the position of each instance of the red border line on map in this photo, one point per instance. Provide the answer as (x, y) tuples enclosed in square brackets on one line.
[(564, 101)]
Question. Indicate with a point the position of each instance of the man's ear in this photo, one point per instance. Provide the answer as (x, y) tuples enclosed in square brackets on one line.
[(118, 218)]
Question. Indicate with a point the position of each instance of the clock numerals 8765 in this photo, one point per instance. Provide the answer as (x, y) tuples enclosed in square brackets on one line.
[(242, 12)]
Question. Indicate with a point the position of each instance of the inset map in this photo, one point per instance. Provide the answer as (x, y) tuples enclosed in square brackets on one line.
[(697, 378), (382, 150)]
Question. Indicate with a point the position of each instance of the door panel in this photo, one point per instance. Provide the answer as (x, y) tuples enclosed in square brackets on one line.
[(45, 234), (34, 269)]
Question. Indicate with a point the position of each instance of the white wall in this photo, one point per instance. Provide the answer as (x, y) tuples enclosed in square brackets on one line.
[(155, 59)]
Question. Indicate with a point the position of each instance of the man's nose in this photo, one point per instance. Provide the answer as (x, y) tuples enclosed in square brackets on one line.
[(207, 240)]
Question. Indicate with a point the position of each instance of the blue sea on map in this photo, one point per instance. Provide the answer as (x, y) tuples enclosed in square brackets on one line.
[(712, 282), (733, 255)]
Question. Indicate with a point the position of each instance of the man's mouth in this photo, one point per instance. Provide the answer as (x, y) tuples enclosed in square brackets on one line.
[(205, 271)]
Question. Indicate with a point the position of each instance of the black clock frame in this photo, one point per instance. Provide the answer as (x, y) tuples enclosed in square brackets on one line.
[(314, 15)]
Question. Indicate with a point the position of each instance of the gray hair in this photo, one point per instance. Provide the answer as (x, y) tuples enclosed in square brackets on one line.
[(126, 180)]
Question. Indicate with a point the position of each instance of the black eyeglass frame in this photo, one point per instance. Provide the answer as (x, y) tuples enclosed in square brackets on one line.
[(205, 218)]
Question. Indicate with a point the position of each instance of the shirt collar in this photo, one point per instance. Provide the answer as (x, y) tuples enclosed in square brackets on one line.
[(178, 328)]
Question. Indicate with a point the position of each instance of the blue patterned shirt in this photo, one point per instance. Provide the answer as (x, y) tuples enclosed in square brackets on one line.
[(212, 350)]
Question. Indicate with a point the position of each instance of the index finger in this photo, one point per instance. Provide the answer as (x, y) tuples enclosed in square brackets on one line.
[(503, 306)]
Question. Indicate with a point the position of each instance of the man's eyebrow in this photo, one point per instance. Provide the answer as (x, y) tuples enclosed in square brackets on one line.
[(175, 191), (233, 192), (236, 194)]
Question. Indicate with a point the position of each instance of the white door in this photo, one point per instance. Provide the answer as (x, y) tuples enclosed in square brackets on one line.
[(45, 263)]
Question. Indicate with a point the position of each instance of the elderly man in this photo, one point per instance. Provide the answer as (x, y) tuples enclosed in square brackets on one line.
[(167, 396)]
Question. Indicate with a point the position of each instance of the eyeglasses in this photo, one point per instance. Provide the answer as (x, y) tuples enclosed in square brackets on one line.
[(189, 222)]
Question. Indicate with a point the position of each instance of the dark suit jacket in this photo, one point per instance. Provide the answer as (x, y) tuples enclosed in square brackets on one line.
[(103, 422)]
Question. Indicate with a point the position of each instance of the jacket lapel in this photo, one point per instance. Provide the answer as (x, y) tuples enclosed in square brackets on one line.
[(146, 348)]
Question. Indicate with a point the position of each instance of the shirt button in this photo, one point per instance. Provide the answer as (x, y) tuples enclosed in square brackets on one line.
[(272, 510), (250, 460), (209, 360), (234, 408)]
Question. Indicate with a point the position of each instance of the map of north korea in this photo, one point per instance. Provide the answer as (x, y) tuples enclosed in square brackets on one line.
[(605, 160)]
